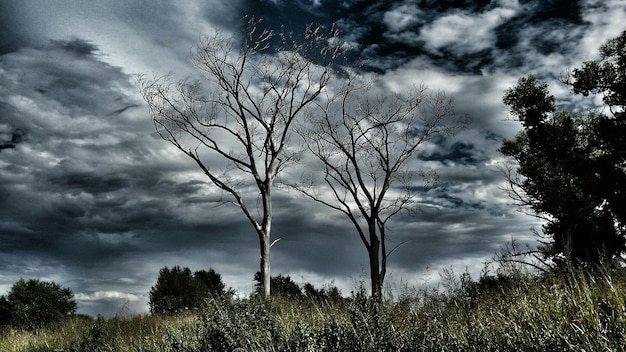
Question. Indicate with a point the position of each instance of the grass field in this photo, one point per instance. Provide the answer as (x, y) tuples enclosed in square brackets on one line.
[(568, 312)]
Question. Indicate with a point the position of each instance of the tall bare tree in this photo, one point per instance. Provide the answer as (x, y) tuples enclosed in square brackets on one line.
[(365, 141), (237, 126)]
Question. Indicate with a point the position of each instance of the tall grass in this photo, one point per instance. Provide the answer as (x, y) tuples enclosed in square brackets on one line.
[(572, 311)]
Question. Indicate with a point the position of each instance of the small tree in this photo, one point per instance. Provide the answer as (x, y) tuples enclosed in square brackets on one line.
[(333, 295), (238, 134), (282, 286), (174, 291), (312, 293), (210, 283), (33, 304), (177, 289), (365, 140), (330, 294), (5, 311)]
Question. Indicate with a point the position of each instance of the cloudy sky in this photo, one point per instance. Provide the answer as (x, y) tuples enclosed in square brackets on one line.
[(91, 199)]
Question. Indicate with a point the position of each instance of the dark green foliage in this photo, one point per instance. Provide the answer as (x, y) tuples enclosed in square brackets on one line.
[(177, 289), (607, 76), (330, 294), (5, 311), (530, 101), (607, 135), (572, 165), (282, 286), (285, 287), (312, 293), (33, 304), (210, 283)]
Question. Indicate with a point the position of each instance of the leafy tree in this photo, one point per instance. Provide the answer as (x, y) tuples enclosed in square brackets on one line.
[(237, 126), (572, 166), (282, 286), (33, 304), (329, 294), (607, 133), (333, 295), (312, 293), (5, 311), (606, 76), (210, 283), (177, 289)]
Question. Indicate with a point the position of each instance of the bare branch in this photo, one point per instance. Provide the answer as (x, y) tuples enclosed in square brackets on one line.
[(237, 125), (363, 139)]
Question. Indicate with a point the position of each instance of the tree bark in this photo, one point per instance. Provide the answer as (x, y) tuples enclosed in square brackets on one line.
[(264, 235), (264, 239), (374, 257)]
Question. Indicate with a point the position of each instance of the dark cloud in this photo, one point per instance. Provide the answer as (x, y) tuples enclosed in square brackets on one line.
[(387, 32), (458, 152), (74, 183), (91, 198), (78, 47), (11, 38), (15, 138)]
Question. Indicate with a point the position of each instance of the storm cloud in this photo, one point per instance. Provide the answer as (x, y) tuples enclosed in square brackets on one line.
[(92, 198)]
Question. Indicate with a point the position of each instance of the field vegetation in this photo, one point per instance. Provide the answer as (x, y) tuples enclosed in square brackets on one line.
[(567, 311)]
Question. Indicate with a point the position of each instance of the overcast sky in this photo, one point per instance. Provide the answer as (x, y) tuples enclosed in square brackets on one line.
[(91, 199)]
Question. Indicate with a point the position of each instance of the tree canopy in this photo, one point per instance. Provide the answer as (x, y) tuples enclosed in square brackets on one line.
[(177, 289), (33, 304), (284, 286), (572, 165)]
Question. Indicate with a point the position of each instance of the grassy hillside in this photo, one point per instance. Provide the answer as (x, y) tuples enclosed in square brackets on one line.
[(568, 312)]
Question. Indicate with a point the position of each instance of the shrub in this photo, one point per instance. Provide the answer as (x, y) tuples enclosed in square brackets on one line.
[(5, 311), (282, 286), (102, 336), (34, 304), (177, 289)]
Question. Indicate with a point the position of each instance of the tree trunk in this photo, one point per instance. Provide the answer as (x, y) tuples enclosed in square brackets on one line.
[(264, 238), (374, 250), (264, 235)]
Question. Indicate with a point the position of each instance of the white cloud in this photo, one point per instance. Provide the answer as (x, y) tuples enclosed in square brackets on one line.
[(139, 36), (606, 19), (467, 33), (401, 17), (107, 295), (479, 96)]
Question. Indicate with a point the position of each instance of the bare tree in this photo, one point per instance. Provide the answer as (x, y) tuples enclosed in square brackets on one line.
[(238, 130), (365, 141)]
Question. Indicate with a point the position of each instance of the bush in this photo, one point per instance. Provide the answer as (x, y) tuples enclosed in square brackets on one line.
[(282, 286), (34, 304), (5, 311), (177, 289)]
